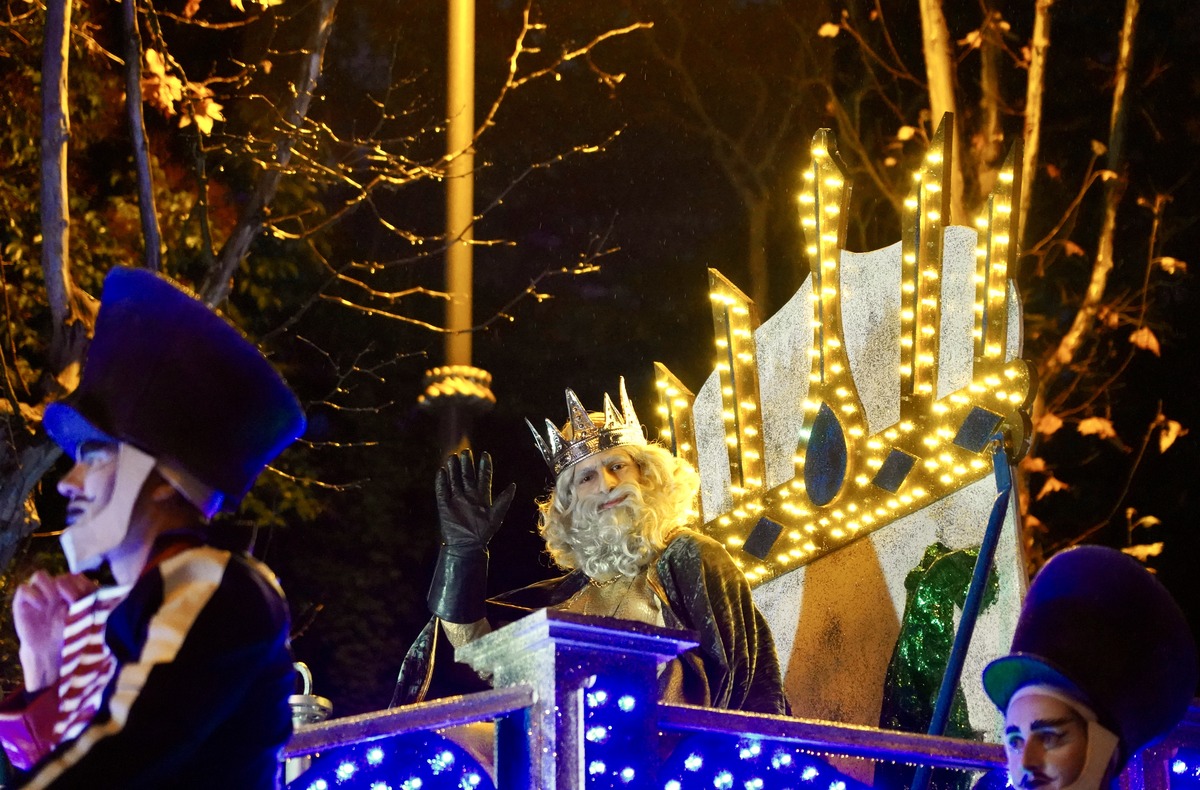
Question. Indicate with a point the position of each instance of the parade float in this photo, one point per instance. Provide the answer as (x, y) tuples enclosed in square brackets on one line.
[(855, 451)]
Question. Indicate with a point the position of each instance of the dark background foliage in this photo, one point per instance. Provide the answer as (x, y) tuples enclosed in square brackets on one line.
[(355, 553)]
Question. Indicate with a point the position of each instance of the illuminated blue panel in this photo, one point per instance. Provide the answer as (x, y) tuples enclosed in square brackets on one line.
[(416, 761), (614, 752), (895, 468)]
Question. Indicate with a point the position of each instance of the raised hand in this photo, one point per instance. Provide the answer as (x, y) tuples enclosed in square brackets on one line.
[(467, 516), (467, 519), (40, 607)]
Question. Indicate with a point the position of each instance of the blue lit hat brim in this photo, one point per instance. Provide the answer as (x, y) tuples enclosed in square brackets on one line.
[(69, 429), (1009, 674)]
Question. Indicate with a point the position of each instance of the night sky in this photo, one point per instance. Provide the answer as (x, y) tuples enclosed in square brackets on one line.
[(658, 194)]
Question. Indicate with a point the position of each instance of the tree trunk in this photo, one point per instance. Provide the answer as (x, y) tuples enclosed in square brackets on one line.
[(939, 69), (21, 472), (1114, 189), (1035, 89), (66, 343), (216, 285), (990, 149), (1039, 47), (137, 130), (27, 456)]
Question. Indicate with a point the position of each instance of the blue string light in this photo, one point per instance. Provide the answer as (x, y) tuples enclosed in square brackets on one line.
[(730, 762), (1185, 770)]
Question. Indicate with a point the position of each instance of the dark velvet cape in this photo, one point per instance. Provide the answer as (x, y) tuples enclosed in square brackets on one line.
[(701, 590)]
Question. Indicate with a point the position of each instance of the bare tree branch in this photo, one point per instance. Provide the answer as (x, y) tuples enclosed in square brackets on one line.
[(1114, 189), (216, 285)]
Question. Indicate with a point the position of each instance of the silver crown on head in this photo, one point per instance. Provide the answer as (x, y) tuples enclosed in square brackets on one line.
[(588, 438)]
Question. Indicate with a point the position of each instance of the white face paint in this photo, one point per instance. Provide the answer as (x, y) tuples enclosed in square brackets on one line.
[(1054, 742), (101, 490)]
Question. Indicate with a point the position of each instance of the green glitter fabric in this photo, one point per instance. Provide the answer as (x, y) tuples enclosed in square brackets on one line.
[(935, 588)]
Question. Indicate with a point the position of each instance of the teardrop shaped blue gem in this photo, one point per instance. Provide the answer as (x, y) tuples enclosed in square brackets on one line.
[(825, 458)]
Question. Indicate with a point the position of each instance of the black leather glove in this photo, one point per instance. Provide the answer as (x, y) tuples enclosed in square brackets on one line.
[(467, 518)]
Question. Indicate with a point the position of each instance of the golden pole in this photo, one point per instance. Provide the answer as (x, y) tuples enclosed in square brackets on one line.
[(460, 182), (457, 389)]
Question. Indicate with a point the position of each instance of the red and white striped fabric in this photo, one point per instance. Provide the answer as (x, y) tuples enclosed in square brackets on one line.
[(87, 663)]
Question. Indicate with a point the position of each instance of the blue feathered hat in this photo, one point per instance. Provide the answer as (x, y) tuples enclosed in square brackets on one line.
[(1099, 626), (168, 375)]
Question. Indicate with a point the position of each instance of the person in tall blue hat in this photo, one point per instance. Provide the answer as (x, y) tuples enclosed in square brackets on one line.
[(177, 675), (1102, 665)]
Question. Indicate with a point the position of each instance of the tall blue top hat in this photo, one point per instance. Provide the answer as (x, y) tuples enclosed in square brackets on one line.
[(168, 375), (1100, 627)]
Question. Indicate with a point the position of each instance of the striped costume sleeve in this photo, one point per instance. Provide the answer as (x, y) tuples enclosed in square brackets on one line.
[(33, 725), (188, 642)]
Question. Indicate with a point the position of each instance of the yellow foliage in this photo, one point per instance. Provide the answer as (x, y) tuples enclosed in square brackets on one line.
[(160, 89), (1110, 318), (1144, 339), (1073, 249), (1049, 423), (1033, 463), (1051, 485), (1172, 265), (1144, 521), (1171, 431), (1096, 426), (972, 40), (1144, 551), (202, 108)]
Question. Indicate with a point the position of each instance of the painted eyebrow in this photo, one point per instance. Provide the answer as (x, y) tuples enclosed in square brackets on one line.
[(1042, 724)]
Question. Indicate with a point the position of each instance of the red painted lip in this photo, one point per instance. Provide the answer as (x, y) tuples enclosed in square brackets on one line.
[(614, 502)]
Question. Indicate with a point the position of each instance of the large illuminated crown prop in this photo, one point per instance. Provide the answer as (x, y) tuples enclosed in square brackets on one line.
[(586, 437)]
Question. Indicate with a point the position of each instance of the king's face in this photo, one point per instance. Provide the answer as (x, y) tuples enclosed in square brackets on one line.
[(596, 477)]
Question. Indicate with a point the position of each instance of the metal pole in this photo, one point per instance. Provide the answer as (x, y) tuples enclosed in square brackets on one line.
[(460, 204), (971, 606)]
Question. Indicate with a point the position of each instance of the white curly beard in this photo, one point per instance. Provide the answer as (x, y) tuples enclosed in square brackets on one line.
[(621, 540)]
